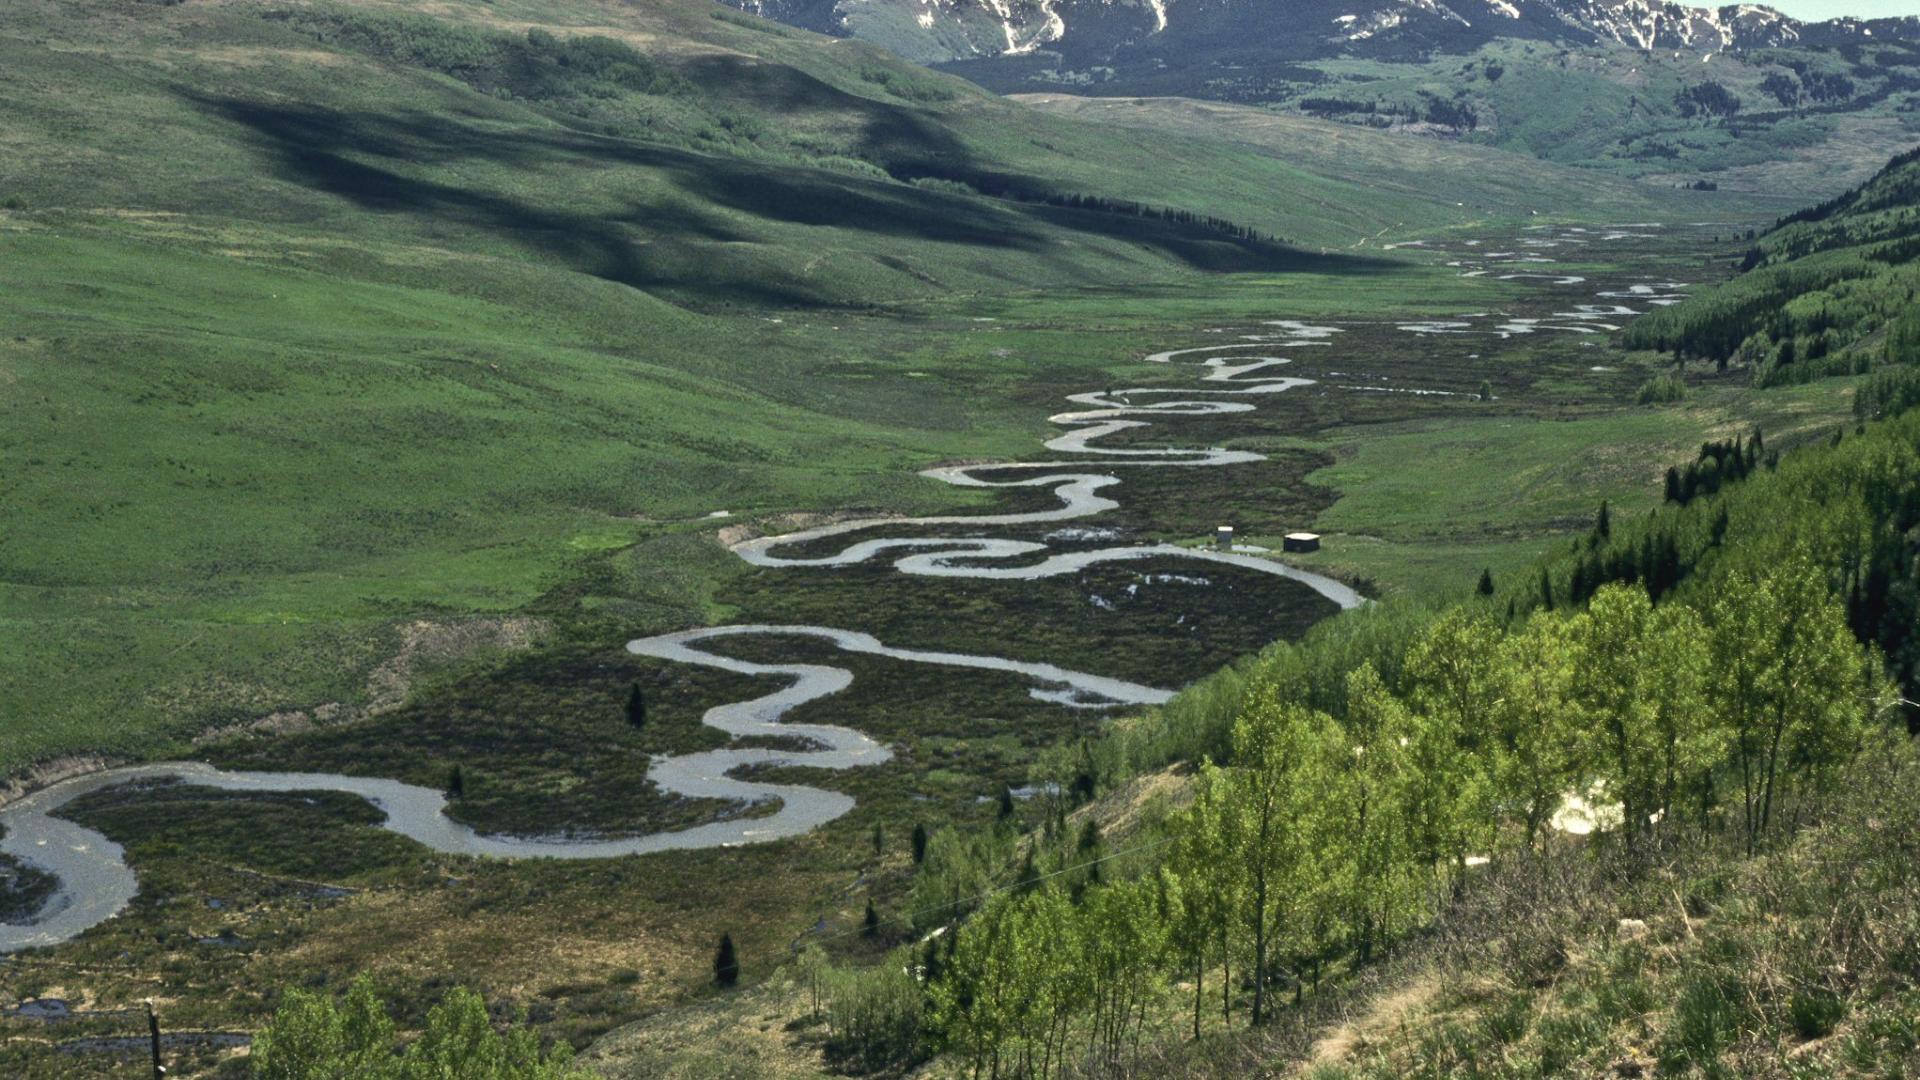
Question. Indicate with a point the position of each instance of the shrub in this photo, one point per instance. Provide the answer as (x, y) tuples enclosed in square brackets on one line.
[(1704, 1021), (1662, 390), (1815, 1012), (874, 1017)]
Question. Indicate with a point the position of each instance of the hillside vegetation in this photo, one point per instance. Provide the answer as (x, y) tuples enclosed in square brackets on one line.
[(1661, 829), (1829, 290)]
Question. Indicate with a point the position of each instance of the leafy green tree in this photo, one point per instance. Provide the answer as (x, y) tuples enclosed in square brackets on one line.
[(1613, 689), (312, 1037), (1282, 756), (1449, 673), (1382, 880), (1787, 682), (1674, 677), (974, 1001), (1208, 885), (1538, 757), (812, 967), (956, 871), (1123, 942)]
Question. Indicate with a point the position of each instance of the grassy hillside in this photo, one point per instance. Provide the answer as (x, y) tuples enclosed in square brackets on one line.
[(324, 317), (1404, 170)]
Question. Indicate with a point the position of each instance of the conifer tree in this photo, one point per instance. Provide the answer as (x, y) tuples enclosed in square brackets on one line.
[(1485, 588), (870, 924), (726, 964), (456, 783), (636, 706), (919, 843)]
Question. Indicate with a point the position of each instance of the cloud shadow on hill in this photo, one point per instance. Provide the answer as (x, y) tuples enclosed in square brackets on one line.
[(375, 161)]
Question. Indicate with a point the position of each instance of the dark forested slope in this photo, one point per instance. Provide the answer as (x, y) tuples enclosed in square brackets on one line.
[(1830, 289)]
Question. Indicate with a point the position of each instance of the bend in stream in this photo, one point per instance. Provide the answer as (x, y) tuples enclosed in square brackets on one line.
[(96, 883)]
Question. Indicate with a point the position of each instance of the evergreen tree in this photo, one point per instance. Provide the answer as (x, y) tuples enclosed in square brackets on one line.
[(1603, 522), (1546, 589), (1090, 850), (636, 706), (919, 843), (931, 967), (1029, 877), (870, 924), (1485, 588), (1006, 803), (879, 838), (726, 965), (456, 783)]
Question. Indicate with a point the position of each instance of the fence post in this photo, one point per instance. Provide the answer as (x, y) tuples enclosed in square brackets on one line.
[(153, 1034)]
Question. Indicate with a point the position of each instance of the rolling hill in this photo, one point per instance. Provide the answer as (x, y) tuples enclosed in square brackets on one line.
[(325, 317)]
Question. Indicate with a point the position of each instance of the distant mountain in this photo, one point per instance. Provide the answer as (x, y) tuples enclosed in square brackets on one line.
[(1127, 32), (1742, 94)]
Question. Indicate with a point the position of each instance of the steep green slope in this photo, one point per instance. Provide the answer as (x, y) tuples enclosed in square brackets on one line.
[(1829, 290)]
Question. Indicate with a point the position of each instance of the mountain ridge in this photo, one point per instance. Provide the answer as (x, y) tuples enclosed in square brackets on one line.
[(936, 31)]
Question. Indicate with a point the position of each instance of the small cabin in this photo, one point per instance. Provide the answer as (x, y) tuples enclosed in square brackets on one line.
[(1223, 537), (1301, 542)]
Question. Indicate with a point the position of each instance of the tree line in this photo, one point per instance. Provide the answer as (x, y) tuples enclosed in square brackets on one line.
[(315, 1037), (1328, 837)]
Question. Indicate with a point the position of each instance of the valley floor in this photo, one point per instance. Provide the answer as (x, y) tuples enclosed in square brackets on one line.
[(1458, 409)]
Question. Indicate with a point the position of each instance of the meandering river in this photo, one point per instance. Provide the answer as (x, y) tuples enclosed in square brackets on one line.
[(95, 882)]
